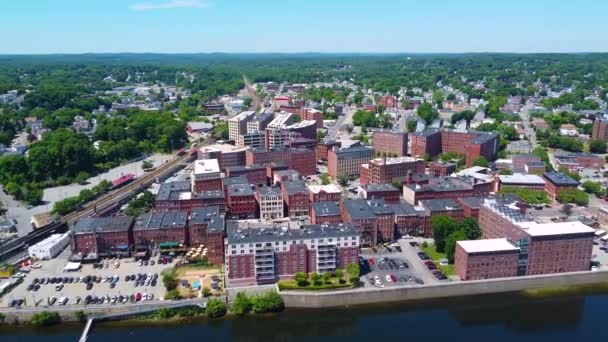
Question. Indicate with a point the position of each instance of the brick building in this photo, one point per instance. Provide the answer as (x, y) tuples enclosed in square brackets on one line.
[(177, 196), (295, 196), (264, 253), (439, 168), (206, 175), (446, 188), (324, 193), (525, 181), (207, 227), (576, 161), (227, 181), (411, 221), (447, 207), (325, 213), (390, 143), (558, 181), (360, 215), (241, 201), (385, 220), (324, 147), (259, 123), (600, 128), (152, 230), (306, 129), (544, 247), (254, 140), (227, 155), (521, 161), (96, 237), (299, 159), (471, 144), (347, 161), (385, 170), (387, 192), (485, 259), (255, 174)]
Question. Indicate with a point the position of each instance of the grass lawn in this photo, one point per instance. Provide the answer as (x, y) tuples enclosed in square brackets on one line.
[(436, 257), (333, 283)]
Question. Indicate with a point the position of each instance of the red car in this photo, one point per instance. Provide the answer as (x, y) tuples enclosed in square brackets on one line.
[(393, 278), (138, 296), (371, 262)]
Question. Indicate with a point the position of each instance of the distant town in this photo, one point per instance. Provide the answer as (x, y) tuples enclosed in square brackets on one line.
[(151, 187)]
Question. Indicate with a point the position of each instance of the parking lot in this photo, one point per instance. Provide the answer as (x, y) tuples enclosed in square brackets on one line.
[(101, 287), (395, 266)]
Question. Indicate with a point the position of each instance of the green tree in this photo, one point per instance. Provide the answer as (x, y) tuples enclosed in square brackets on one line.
[(325, 180), (343, 179), (215, 308), (270, 301), (597, 146), (169, 279), (339, 273), (592, 187), (566, 209), (481, 161), (353, 271), (301, 278), (316, 278), (427, 113), (470, 228), (326, 277), (242, 304), (147, 165), (450, 244), (442, 226), (411, 125), (45, 318)]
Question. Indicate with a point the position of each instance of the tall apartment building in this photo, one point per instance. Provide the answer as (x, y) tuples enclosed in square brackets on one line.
[(391, 143), (206, 175), (347, 161), (238, 124), (259, 123), (270, 201), (471, 144), (264, 253), (600, 128), (277, 137), (384, 170), (255, 139)]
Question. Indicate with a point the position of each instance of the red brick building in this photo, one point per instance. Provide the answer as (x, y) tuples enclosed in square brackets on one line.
[(206, 175), (410, 221), (388, 101), (575, 161), (177, 196), (390, 143), (241, 201), (485, 259), (362, 218), (207, 227), (558, 181), (295, 196), (103, 237), (255, 174), (440, 168), (302, 160), (324, 147), (314, 115), (521, 160), (385, 170), (446, 188), (325, 213), (471, 144), (152, 230), (263, 254), (347, 161), (600, 128), (323, 193), (227, 155), (387, 192), (447, 207)]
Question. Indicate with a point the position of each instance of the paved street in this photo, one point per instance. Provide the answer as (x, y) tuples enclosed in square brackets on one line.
[(528, 130)]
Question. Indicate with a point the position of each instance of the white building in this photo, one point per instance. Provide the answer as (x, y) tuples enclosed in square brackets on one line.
[(49, 247), (568, 130), (238, 124), (270, 199), (281, 120)]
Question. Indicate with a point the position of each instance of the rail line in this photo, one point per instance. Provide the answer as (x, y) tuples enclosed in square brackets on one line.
[(13, 247)]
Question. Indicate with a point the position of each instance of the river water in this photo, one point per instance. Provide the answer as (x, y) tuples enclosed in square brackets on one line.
[(489, 318)]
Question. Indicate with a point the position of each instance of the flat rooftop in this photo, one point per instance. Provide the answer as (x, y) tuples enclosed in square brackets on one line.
[(203, 166), (235, 234), (553, 229), (326, 209), (487, 246), (393, 161), (520, 178), (103, 224), (167, 220), (560, 178), (330, 188), (242, 116)]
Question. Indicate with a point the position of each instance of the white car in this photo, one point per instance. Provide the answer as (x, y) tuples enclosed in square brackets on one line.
[(379, 284), (376, 279), (388, 278), (63, 300)]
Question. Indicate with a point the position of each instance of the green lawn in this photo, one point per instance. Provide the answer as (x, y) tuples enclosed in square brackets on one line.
[(436, 257), (333, 283)]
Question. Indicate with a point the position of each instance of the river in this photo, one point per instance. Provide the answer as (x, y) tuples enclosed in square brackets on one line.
[(488, 318)]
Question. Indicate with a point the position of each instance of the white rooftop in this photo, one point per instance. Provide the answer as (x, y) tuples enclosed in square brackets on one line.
[(487, 246), (326, 188), (520, 178), (206, 166), (551, 229), (280, 120), (185, 196), (242, 116), (224, 148), (399, 160)]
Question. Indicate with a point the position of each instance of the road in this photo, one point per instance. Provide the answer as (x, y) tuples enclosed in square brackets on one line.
[(345, 119), (528, 130), (256, 101)]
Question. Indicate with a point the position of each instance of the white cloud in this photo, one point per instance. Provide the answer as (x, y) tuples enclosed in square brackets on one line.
[(147, 6)]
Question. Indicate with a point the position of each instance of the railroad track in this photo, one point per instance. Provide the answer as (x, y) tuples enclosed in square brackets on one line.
[(118, 195)]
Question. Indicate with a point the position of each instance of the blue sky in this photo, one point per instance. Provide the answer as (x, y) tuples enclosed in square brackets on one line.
[(76, 26)]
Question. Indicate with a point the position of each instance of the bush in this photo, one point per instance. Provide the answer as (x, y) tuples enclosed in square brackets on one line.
[(173, 295), (206, 292), (170, 279), (268, 302), (242, 304), (215, 308), (80, 316), (45, 318)]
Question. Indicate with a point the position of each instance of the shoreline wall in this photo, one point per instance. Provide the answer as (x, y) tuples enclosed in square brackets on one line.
[(326, 299)]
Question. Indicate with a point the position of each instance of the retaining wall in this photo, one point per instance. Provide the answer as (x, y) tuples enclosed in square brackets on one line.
[(307, 299)]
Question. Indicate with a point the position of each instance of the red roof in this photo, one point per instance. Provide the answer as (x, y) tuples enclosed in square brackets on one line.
[(124, 179)]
